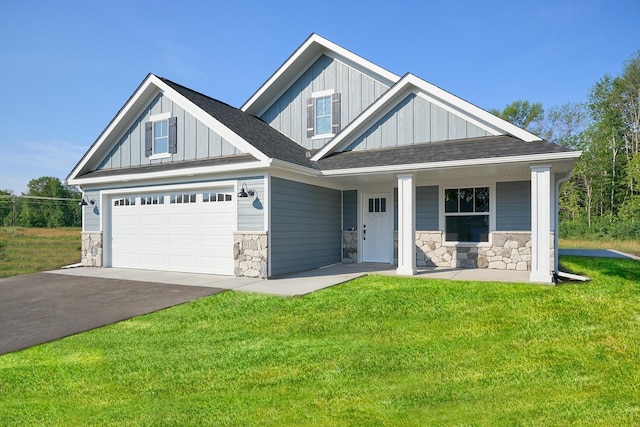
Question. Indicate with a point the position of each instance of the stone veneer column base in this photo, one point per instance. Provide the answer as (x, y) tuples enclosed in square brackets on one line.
[(250, 254), (350, 246), (91, 249)]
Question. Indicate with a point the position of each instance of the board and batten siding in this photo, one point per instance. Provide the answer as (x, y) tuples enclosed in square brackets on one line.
[(288, 114), (513, 206), (251, 209), (415, 120), (195, 140), (91, 219), (305, 226)]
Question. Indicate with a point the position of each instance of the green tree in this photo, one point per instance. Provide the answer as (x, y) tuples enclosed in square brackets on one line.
[(47, 209), (529, 116)]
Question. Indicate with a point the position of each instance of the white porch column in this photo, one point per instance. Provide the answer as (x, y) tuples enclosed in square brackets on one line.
[(541, 224), (406, 225)]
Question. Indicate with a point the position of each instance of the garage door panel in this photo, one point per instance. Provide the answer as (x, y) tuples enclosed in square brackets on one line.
[(189, 237)]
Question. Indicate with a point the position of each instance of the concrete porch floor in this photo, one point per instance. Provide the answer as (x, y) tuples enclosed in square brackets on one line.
[(293, 284)]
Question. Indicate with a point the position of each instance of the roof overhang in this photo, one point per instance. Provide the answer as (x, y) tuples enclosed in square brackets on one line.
[(297, 64)]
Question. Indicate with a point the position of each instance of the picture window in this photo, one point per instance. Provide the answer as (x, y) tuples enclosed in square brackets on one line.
[(467, 214)]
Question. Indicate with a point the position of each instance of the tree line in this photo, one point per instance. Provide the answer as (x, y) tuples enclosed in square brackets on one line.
[(47, 203), (602, 199)]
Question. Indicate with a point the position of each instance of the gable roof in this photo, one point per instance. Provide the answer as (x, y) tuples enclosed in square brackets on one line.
[(312, 48), (250, 134), (412, 84)]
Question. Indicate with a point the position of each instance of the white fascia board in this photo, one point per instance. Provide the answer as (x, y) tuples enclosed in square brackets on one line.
[(280, 164), (209, 121), (532, 158), (298, 63), (409, 82), (176, 173), (140, 93)]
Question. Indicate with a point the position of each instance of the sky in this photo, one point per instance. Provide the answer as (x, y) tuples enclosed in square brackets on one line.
[(67, 67)]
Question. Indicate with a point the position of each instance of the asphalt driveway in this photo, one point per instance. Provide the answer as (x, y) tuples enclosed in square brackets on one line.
[(43, 307)]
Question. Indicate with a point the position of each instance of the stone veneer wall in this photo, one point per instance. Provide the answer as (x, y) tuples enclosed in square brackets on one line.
[(250, 254), (91, 249), (509, 250), (350, 246)]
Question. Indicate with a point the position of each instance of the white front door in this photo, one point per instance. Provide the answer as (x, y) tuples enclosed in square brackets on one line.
[(377, 227)]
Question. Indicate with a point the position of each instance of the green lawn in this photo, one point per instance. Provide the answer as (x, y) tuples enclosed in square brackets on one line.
[(28, 250), (375, 351)]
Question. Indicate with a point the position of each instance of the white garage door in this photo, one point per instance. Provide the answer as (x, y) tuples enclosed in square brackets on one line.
[(187, 231)]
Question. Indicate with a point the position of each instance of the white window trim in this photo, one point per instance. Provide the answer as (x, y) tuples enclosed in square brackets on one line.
[(159, 118), (322, 94), (492, 213)]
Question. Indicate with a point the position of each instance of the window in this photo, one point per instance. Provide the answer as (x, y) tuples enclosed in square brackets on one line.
[(216, 197), (182, 198), (323, 114), (152, 200), (127, 201), (378, 204), (466, 213), (161, 136)]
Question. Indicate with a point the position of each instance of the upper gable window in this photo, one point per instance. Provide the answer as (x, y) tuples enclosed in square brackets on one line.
[(323, 114), (161, 136)]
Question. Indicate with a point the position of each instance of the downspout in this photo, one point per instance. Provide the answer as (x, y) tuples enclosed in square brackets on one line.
[(557, 221)]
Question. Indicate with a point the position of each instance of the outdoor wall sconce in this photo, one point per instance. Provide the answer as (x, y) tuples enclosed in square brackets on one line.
[(84, 202), (246, 192)]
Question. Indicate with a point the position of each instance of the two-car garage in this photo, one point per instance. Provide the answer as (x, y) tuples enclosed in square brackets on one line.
[(185, 231)]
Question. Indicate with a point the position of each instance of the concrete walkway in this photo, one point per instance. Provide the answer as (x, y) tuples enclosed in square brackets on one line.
[(292, 284), (597, 253)]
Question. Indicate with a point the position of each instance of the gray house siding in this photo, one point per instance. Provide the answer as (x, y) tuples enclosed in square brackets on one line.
[(92, 212), (251, 210), (415, 120), (305, 226), (288, 113), (350, 210), (195, 140), (427, 208), (513, 206)]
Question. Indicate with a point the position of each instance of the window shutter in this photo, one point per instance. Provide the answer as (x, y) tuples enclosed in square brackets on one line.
[(335, 113), (148, 139), (311, 117), (173, 135)]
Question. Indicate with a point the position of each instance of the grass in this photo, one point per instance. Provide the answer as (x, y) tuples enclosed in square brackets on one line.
[(28, 250), (375, 351), (628, 246)]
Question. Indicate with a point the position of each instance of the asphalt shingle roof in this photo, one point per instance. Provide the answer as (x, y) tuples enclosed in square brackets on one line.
[(252, 129), (433, 152)]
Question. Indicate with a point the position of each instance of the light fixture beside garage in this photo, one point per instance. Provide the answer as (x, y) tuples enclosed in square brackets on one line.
[(246, 192), (85, 201)]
